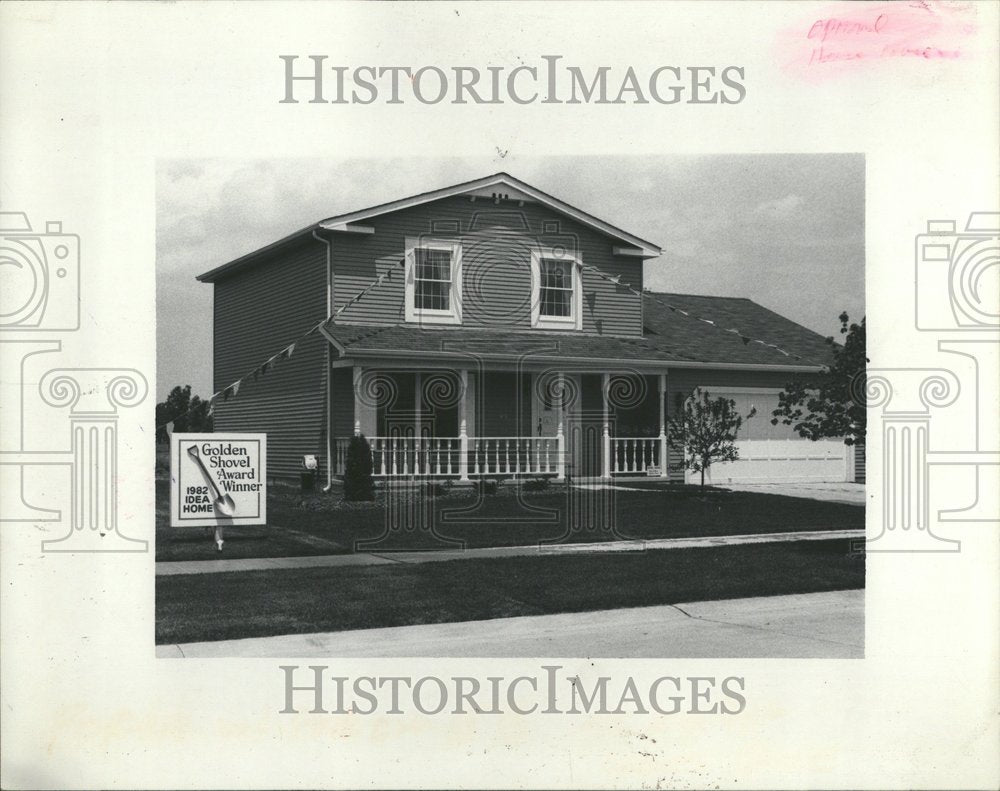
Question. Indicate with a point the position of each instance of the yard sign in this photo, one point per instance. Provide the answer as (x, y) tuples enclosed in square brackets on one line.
[(218, 479)]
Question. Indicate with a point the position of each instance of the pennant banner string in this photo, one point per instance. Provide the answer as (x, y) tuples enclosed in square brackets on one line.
[(230, 391)]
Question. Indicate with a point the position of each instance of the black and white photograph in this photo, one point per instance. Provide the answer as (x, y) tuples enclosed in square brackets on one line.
[(532, 431)]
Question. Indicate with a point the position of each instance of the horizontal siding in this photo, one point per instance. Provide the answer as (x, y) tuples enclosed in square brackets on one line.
[(257, 313), (859, 463), (496, 253)]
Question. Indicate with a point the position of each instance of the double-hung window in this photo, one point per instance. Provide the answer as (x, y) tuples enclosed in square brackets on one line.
[(555, 287), (433, 281)]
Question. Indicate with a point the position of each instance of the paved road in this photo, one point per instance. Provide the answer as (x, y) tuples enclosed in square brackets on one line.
[(827, 625), (167, 568)]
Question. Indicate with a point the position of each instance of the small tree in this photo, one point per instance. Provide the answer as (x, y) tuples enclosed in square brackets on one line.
[(186, 412), (832, 403), (705, 430), (358, 481)]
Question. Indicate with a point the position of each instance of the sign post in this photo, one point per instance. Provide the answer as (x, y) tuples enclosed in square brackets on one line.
[(218, 480)]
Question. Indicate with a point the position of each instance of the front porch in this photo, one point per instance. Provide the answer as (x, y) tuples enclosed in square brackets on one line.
[(467, 425)]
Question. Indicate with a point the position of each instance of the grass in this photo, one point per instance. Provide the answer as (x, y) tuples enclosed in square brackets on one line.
[(322, 524), (260, 603)]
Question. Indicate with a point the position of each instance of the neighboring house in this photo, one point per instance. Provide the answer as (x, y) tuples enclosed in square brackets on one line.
[(499, 343)]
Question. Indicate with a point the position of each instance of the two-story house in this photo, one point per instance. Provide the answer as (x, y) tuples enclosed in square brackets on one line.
[(489, 329)]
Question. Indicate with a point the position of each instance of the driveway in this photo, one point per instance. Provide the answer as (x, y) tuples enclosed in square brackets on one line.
[(810, 625), (851, 493)]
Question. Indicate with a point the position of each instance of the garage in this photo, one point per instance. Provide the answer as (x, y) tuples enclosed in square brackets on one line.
[(770, 453)]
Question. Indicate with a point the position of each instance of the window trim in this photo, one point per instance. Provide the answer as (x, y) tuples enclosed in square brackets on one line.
[(453, 315), (575, 320)]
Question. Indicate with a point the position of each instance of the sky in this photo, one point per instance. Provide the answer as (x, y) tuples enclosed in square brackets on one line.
[(785, 230)]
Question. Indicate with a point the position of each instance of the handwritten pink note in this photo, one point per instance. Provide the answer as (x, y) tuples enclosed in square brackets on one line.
[(847, 36)]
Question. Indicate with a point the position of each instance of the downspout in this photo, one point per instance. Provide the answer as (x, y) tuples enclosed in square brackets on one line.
[(328, 366)]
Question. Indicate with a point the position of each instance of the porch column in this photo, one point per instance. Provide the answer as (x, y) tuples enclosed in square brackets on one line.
[(560, 388), (418, 444), (365, 412), (662, 388), (356, 374), (605, 431), (463, 434)]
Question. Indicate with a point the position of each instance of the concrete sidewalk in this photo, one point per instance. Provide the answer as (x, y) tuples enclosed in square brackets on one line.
[(372, 559), (811, 625)]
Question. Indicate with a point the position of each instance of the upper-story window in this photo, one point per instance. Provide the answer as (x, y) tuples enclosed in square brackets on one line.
[(433, 281), (555, 289)]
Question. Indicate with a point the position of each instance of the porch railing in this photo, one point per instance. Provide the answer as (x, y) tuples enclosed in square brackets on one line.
[(636, 455), (515, 456), (465, 457), (461, 457)]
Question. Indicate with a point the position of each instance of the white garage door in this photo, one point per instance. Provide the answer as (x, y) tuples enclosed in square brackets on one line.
[(775, 453)]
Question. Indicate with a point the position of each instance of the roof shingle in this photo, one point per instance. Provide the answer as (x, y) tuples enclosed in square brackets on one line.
[(668, 336)]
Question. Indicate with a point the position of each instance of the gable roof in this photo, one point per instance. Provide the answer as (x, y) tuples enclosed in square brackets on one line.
[(502, 184), (668, 337)]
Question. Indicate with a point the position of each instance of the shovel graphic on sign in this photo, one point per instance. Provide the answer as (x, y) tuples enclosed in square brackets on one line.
[(223, 503)]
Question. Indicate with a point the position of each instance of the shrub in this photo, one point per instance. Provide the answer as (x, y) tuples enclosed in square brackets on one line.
[(436, 488), (358, 482), (535, 485), (489, 487)]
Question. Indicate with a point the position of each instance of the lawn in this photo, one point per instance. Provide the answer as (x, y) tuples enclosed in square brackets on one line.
[(322, 524), (260, 603)]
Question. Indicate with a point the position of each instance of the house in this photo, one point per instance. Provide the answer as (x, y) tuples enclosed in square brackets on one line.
[(490, 329)]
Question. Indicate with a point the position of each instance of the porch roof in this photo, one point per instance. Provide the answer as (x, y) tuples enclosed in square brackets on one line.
[(668, 338)]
